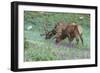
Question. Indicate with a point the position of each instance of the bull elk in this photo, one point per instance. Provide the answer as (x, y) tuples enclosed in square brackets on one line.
[(62, 31)]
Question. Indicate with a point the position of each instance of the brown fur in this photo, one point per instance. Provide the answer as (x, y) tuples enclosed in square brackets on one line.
[(62, 31), (72, 31)]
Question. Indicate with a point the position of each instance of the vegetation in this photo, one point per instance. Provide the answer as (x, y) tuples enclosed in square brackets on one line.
[(36, 48)]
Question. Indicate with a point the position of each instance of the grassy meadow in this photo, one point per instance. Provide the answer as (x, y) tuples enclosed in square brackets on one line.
[(36, 48)]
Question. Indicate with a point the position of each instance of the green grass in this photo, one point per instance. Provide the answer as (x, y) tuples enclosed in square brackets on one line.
[(36, 48)]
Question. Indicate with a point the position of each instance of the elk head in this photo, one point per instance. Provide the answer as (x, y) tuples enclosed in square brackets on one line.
[(48, 34)]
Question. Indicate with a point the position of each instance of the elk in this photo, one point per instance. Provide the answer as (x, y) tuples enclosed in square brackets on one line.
[(62, 31)]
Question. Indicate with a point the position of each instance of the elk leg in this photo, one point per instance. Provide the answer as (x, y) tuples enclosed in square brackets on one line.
[(77, 40), (81, 39), (70, 40)]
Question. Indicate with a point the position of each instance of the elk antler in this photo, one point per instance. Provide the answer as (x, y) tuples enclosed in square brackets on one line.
[(45, 28)]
